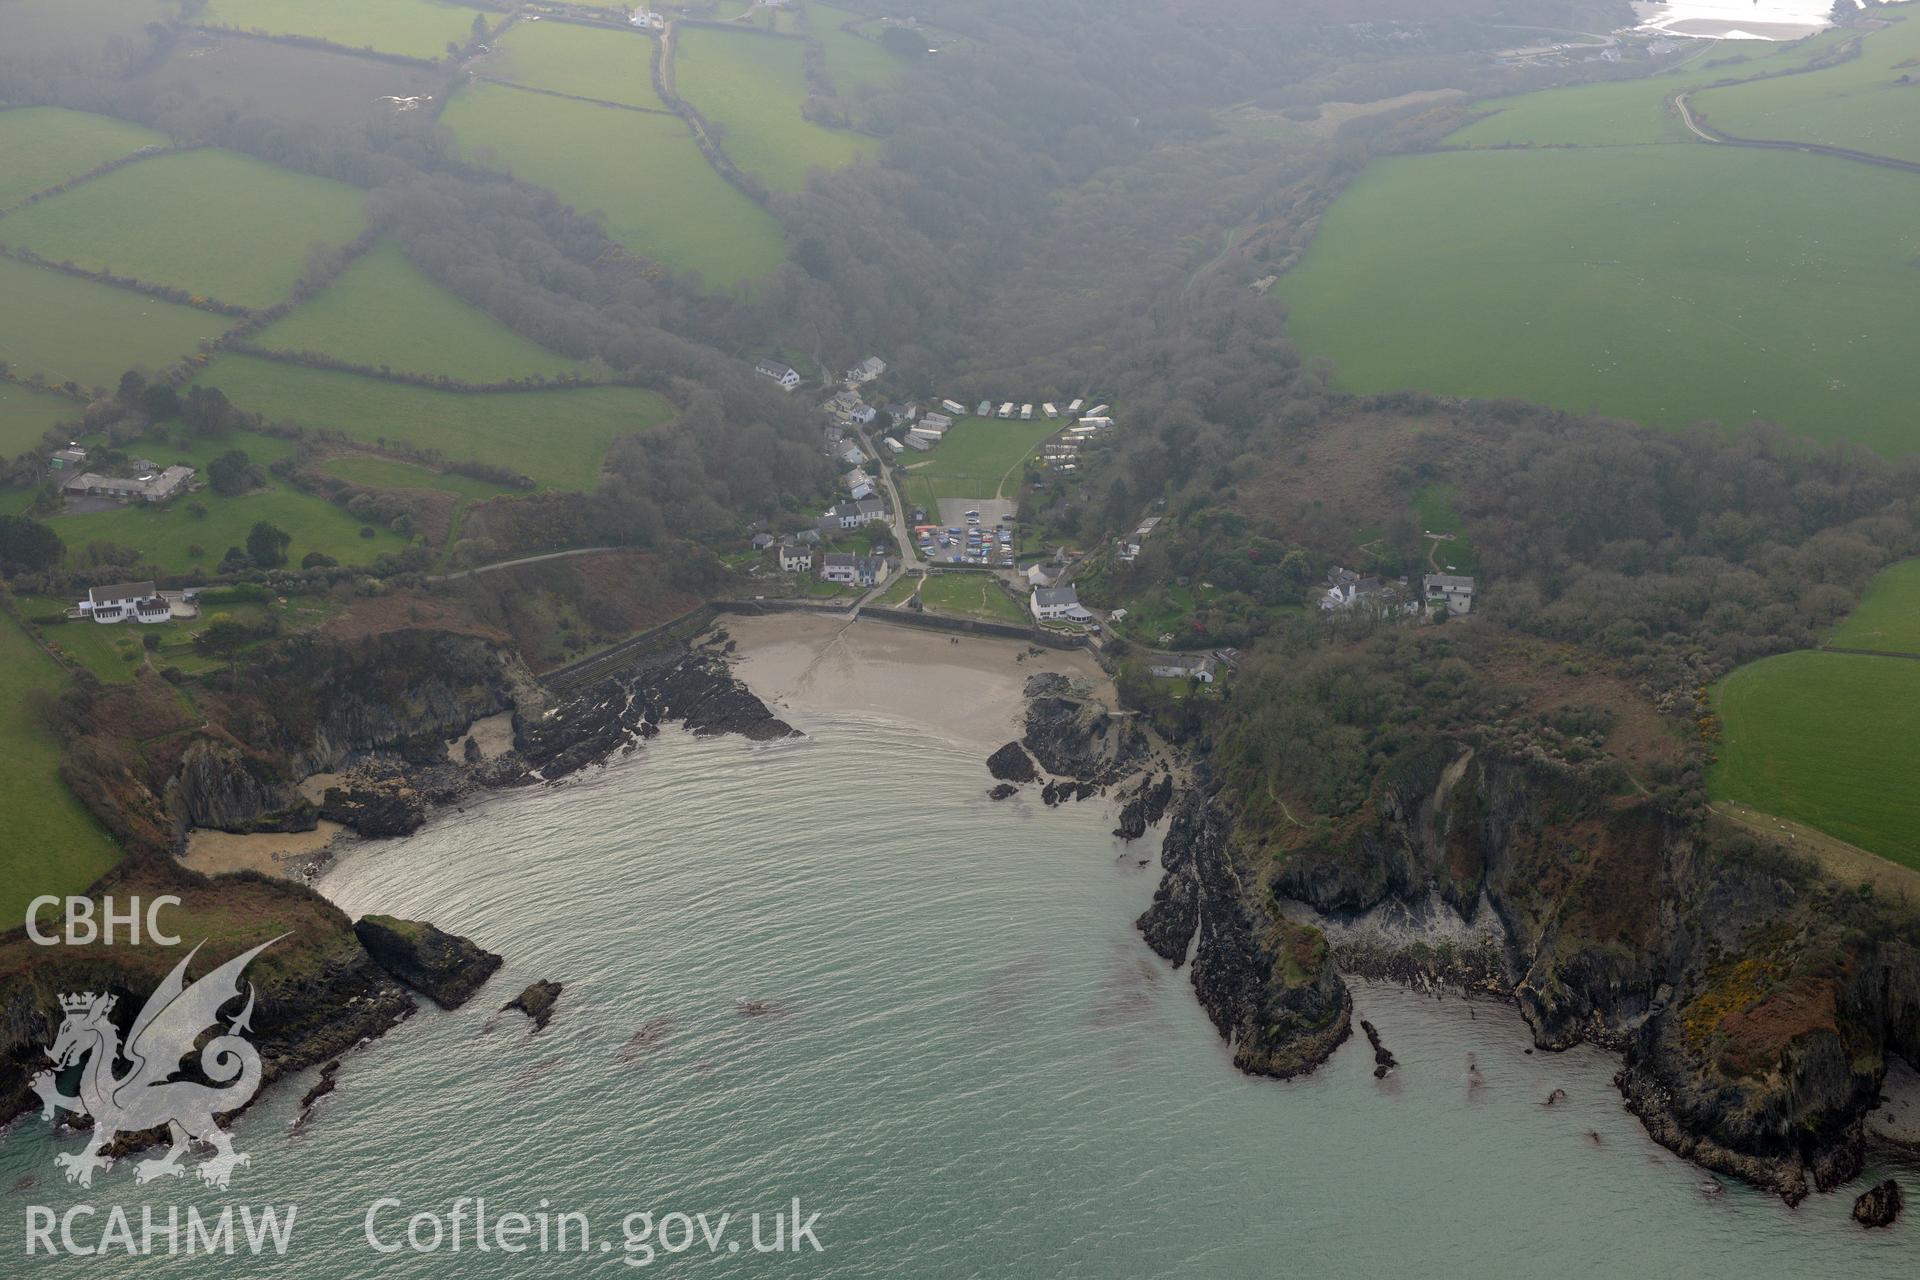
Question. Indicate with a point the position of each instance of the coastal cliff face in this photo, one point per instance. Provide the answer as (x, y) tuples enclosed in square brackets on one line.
[(1755, 1002), (1267, 983)]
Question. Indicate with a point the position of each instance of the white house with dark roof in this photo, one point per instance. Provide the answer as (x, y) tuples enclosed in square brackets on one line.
[(849, 570), (795, 556), (1055, 604), (867, 370), (1182, 666), (854, 513), (1450, 591), (126, 602), (786, 375)]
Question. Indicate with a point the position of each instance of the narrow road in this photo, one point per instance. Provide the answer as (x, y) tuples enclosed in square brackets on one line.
[(1706, 134), (512, 564), (902, 531)]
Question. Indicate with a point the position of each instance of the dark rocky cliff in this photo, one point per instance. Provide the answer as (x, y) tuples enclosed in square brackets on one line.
[(1755, 1001)]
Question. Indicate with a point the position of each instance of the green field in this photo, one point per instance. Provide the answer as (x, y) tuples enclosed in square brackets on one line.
[(1664, 283), (53, 844), (1889, 614), (559, 437), (295, 84), (1627, 112), (72, 329), (43, 146), (412, 28), (26, 414), (852, 61), (212, 222), (1826, 739), (1433, 508), (384, 311), (978, 458), (166, 535), (751, 89), (390, 473), (640, 174), (976, 595), (40, 31), (588, 62), (1862, 104)]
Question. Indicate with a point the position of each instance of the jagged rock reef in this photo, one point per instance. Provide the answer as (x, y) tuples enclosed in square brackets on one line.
[(536, 1002)]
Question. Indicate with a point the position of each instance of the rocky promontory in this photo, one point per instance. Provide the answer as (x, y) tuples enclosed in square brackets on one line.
[(444, 967)]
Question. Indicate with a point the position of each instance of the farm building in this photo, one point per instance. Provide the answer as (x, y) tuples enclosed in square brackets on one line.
[(71, 458), (147, 487)]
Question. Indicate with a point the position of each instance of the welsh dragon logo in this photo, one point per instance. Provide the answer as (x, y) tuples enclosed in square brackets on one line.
[(146, 1096)]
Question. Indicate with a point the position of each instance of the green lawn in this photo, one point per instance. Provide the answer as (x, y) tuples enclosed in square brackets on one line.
[(558, 436), (751, 89), (1665, 283), (588, 62), (977, 458), (390, 473), (212, 222), (1627, 112), (1889, 614), (1861, 104), (26, 414), (267, 81), (384, 312), (1826, 739), (641, 175), (413, 28), (65, 327), (852, 61), (1433, 508), (53, 844), (976, 595), (43, 146)]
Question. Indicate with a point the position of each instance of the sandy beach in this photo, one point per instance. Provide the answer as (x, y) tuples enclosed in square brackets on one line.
[(804, 665), (272, 853)]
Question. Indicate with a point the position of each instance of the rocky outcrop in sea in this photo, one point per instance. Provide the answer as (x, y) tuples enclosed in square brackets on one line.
[(444, 967)]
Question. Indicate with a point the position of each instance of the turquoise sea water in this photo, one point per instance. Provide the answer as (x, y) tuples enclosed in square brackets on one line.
[(972, 1066)]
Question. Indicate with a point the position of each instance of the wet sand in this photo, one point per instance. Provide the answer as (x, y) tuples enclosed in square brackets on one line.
[(969, 693)]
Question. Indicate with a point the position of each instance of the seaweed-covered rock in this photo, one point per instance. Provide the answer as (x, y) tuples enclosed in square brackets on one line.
[(1878, 1206), (1003, 791), (536, 1002), (444, 967)]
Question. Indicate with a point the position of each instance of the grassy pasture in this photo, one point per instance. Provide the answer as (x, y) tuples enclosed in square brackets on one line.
[(1626, 112), (588, 62), (26, 414), (53, 844), (1666, 284), (42, 146), (1433, 507), (559, 437), (265, 79), (75, 31), (391, 473), (1889, 614), (973, 460), (852, 61), (412, 28), (642, 174), (72, 329), (1827, 739), (1860, 104), (752, 88), (974, 595), (384, 311), (165, 535), (213, 222)]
